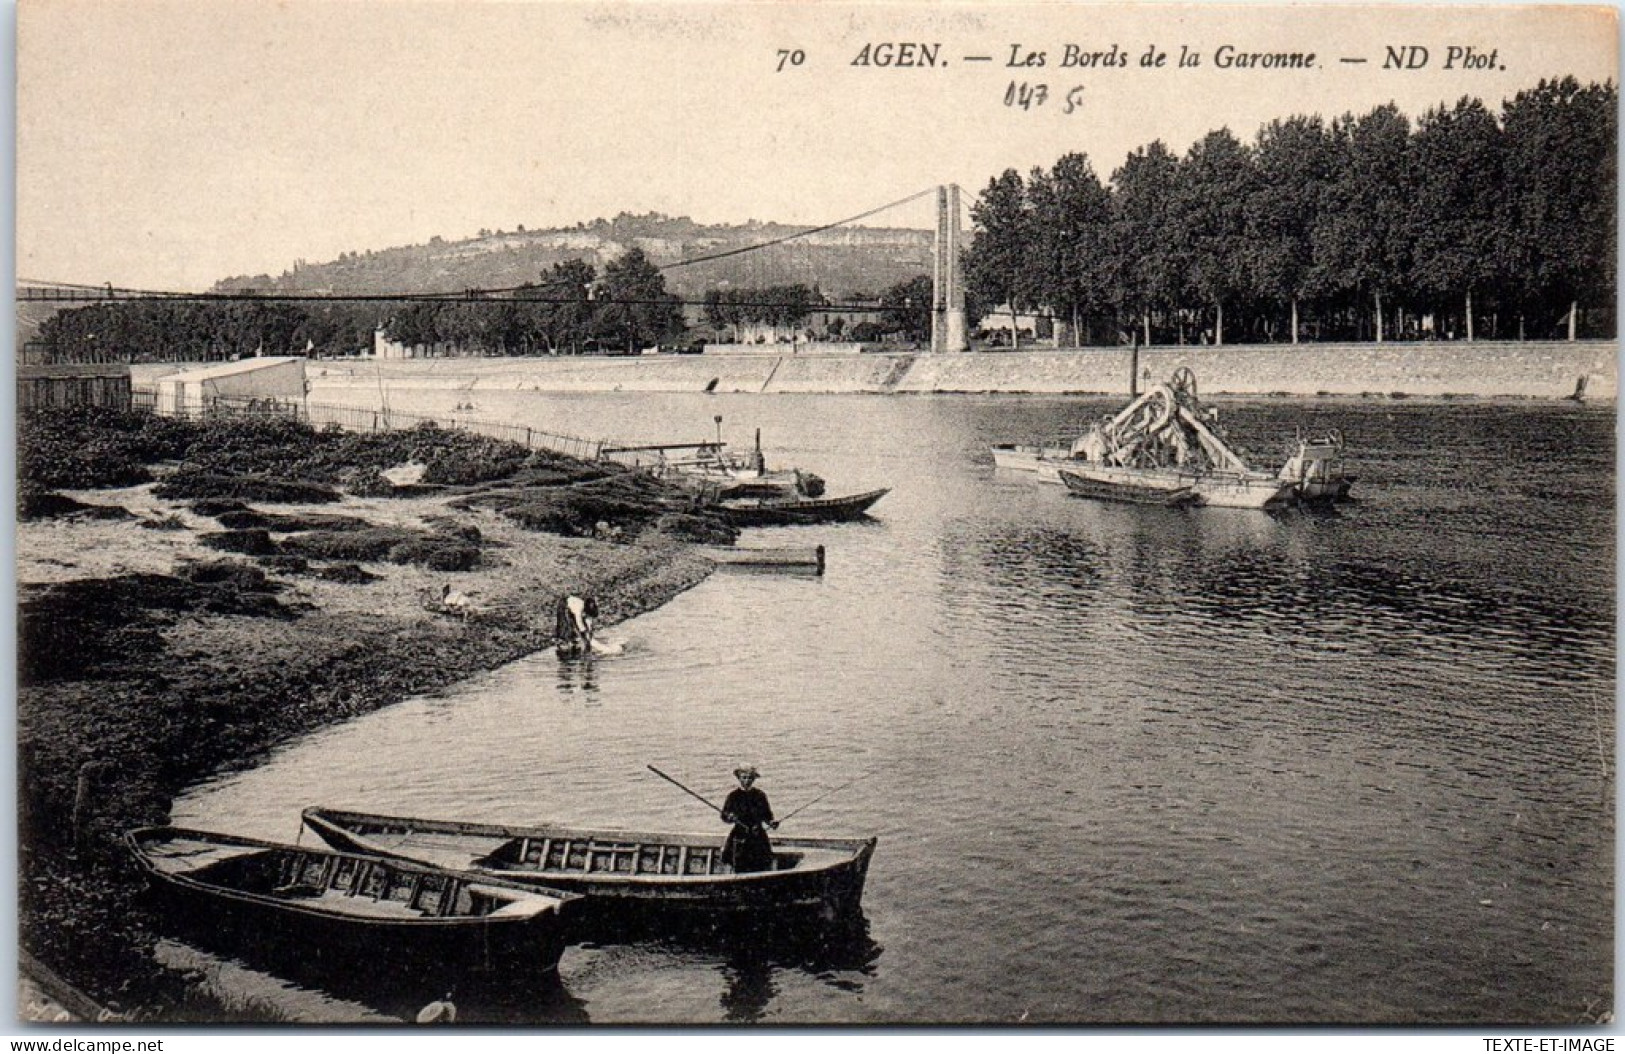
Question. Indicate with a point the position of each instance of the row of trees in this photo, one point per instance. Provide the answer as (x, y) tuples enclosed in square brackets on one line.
[(570, 309), (901, 311), (782, 306), (1363, 228)]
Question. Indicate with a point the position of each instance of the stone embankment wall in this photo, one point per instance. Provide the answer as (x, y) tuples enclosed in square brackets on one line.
[(1544, 370)]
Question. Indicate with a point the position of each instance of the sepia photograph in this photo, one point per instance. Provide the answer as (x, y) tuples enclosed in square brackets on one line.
[(565, 514)]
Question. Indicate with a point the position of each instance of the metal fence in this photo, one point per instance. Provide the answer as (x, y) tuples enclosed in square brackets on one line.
[(362, 419)]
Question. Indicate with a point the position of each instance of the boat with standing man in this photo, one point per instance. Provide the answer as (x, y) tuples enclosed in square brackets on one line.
[(664, 872)]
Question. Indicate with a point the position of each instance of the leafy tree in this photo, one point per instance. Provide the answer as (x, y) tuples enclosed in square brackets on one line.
[(908, 308), (414, 323), (1142, 266), (999, 267), (722, 310), (787, 305), (634, 308), (1362, 230), (1210, 220), (1293, 163), (1071, 215), (1455, 185), (565, 317), (1561, 180)]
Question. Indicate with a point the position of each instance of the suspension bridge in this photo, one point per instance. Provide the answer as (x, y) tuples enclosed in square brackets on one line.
[(948, 324)]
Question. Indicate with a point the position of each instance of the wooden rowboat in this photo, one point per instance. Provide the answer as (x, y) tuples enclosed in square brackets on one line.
[(618, 869), (748, 512), (348, 909), (1123, 485), (1043, 459)]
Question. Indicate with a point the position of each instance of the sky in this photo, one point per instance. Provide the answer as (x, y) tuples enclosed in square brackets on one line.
[(170, 143)]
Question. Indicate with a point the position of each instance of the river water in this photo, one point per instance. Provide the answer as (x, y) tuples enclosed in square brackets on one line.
[(1126, 765)]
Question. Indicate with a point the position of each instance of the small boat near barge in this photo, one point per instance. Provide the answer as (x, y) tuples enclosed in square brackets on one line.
[(1129, 488), (682, 873), (1043, 459), (352, 908), (1317, 469)]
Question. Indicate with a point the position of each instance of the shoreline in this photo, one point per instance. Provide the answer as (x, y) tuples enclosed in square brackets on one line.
[(211, 688)]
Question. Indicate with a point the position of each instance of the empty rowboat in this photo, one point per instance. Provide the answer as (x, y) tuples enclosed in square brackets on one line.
[(682, 872), (349, 908)]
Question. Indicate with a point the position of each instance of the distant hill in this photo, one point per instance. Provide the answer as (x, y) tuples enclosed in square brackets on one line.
[(843, 262), (31, 315)]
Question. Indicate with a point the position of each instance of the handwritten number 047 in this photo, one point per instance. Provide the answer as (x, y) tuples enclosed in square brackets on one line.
[(788, 57)]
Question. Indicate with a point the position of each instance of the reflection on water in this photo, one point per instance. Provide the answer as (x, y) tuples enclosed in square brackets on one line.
[(1134, 764), (753, 955), (578, 675), (259, 971)]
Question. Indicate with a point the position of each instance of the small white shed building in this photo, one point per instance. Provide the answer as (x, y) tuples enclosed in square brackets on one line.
[(191, 393)]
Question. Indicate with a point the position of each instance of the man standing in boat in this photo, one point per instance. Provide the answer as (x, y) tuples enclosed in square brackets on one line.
[(748, 848)]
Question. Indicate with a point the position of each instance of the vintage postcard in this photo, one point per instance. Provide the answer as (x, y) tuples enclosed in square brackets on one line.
[(577, 514)]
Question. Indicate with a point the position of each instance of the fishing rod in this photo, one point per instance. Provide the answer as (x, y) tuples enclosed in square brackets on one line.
[(827, 793), (682, 788)]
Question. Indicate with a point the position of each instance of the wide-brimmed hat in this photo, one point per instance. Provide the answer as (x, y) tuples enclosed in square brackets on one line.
[(746, 770)]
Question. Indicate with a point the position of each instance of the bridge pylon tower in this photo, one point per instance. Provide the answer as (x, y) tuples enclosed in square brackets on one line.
[(947, 281)]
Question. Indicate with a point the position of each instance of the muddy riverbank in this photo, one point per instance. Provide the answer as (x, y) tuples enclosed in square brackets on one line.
[(159, 646)]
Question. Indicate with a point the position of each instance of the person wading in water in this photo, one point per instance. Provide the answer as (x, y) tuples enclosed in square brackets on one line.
[(748, 848), (573, 624)]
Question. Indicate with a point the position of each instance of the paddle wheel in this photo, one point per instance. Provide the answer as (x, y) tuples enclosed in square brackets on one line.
[(1167, 427)]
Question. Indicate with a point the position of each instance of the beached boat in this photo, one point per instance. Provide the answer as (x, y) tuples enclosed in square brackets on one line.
[(717, 473), (777, 512), (618, 869), (1163, 448), (741, 487), (389, 914), (1317, 470)]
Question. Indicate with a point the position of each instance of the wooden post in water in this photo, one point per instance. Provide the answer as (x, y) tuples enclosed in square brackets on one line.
[(1134, 369)]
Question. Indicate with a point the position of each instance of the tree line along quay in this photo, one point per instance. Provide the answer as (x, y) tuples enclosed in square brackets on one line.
[(1463, 223)]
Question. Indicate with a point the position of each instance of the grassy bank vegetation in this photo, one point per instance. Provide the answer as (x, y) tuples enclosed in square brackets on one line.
[(172, 625)]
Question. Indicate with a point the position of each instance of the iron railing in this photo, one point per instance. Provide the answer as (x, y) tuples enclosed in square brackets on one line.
[(363, 419)]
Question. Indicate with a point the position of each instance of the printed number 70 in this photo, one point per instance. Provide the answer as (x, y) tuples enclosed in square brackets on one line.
[(790, 58)]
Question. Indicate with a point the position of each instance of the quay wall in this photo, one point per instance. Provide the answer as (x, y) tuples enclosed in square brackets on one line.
[(1525, 370), (1532, 370)]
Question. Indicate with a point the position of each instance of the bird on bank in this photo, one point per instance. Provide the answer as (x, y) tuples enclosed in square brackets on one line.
[(455, 601)]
